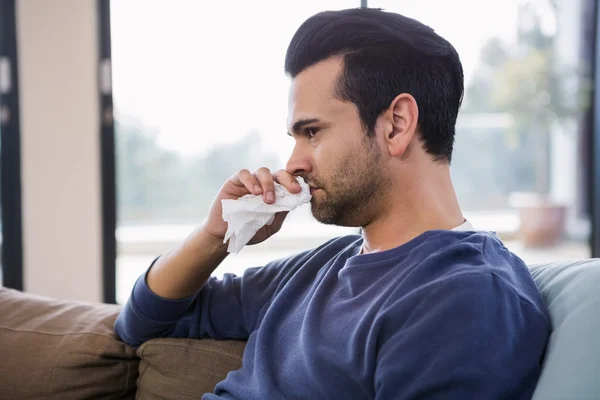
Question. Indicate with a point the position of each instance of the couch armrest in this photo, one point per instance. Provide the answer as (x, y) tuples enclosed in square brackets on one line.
[(62, 350)]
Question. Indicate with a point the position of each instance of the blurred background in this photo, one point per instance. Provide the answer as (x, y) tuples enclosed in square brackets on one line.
[(121, 120)]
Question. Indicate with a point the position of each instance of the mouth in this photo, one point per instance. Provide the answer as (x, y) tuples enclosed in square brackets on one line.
[(313, 190)]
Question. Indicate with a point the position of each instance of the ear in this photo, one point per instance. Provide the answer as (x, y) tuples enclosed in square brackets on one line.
[(400, 123)]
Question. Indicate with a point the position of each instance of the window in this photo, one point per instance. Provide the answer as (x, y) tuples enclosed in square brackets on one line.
[(177, 66), (518, 153), (179, 135)]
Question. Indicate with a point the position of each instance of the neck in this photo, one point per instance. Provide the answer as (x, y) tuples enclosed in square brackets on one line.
[(427, 203)]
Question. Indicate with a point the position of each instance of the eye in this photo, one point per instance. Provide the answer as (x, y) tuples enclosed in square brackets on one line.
[(311, 131)]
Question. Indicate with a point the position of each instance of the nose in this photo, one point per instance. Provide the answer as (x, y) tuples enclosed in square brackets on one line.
[(300, 163)]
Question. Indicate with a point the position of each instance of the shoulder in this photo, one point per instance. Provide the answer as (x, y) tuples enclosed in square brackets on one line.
[(474, 303), (473, 273), (482, 256), (477, 253)]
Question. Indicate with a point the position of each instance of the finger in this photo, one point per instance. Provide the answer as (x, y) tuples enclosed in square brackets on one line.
[(288, 181), (267, 184), (246, 179)]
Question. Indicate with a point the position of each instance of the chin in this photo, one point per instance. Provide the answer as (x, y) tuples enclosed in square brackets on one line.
[(330, 217), (321, 214)]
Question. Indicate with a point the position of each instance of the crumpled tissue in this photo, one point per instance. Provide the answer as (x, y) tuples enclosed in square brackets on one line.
[(246, 215)]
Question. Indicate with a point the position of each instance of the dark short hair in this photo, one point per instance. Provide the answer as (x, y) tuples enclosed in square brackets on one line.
[(385, 54)]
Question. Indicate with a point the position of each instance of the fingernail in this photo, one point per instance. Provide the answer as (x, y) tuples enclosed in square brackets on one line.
[(257, 189), (270, 196)]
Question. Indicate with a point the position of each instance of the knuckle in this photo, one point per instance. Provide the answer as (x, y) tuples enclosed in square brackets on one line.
[(263, 171)]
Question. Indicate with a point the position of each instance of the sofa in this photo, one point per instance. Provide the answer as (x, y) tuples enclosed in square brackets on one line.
[(52, 349)]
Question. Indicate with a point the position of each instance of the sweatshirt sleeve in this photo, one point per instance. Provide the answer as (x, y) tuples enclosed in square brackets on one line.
[(227, 308), (469, 337)]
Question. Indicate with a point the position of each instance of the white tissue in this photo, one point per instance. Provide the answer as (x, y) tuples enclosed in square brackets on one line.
[(246, 215)]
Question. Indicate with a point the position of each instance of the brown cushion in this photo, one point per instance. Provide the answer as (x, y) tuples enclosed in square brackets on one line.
[(62, 350), (185, 368)]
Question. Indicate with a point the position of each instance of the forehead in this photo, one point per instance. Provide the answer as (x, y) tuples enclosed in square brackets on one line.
[(311, 91)]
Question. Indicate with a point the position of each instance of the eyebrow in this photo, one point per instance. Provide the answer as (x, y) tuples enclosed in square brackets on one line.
[(300, 123)]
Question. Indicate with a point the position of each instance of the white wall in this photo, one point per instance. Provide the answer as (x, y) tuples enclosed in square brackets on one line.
[(58, 62)]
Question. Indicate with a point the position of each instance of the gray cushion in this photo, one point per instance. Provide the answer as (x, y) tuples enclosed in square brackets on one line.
[(571, 367)]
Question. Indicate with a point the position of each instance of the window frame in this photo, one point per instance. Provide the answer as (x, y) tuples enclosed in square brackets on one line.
[(10, 156)]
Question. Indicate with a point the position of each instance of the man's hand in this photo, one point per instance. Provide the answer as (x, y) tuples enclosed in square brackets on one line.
[(183, 271), (261, 182)]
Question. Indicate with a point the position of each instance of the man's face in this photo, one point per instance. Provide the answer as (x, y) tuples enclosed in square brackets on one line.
[(333, 153)]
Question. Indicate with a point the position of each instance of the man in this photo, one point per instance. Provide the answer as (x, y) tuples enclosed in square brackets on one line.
[(418, 306)]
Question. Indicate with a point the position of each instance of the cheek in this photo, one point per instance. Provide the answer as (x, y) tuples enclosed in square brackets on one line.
[(335, 153), (325, 157)]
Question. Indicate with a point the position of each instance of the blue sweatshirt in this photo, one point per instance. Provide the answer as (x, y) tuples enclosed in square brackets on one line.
[(448, 315)]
